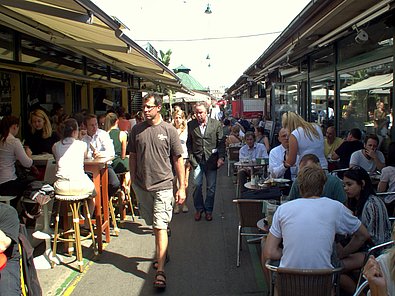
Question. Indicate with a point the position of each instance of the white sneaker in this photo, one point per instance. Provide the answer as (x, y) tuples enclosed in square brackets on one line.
[(185, 208)]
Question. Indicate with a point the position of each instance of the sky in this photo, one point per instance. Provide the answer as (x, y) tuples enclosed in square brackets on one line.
[(177, 24)]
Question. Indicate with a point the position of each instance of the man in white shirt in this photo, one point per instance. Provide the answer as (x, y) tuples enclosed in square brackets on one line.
[(100, 145), (303, 231), (369, 158), (250, 151), (277, 156)]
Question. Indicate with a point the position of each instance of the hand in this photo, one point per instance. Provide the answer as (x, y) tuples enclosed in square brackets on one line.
[(34, 171), (96, 154), (371, 153), (374, 275), (220, 162), (28, 151), (180, 196)]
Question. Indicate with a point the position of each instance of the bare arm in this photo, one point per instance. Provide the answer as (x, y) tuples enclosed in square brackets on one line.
[(180, 171), (375, 277), (382, 187), (272, 248), (292, 151), (357, 240), (124, 141), (5, 241)]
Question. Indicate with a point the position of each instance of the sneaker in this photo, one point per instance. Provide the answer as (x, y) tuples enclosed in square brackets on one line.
[(176, 209), (185, 208)]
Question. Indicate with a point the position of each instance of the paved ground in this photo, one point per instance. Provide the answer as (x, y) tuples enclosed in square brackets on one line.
[(202, 258)]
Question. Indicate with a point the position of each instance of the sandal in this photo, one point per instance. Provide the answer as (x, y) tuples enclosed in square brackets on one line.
[(160, 280), (155, 263)]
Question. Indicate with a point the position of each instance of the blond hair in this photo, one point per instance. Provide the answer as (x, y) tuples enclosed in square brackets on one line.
[(47, 128), (110, 121), (292, 121), (311, 180), (183, 125)]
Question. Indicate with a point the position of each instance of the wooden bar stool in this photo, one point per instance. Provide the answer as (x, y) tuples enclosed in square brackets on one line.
[(74, 202)]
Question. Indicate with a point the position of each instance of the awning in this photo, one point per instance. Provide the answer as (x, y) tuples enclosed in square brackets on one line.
[(182, 97), (374, 82), (82, 27)]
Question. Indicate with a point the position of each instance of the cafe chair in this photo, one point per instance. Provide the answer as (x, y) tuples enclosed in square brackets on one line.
[(361, 289), (249, 212), (72, 202), (232, 156), (376, 251), (303, 282)]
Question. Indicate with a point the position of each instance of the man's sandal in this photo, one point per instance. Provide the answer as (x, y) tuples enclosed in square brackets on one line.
[(160, 280), (155, 263)]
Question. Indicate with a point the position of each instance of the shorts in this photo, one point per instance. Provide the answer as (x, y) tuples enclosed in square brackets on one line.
[(156, 207)]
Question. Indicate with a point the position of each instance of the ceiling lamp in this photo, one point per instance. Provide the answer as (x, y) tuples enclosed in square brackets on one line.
[(208, 9), (208, 57)]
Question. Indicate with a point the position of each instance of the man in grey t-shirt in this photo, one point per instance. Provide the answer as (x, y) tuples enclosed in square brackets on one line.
[(152, 144)]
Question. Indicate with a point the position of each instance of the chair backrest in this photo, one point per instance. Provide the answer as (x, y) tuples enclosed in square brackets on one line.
[(305, 282), (249, 211), (233, 153)]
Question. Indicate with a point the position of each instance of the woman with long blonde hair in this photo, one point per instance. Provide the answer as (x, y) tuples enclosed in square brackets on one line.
[(305, 138), (41, 137), (180, 123)]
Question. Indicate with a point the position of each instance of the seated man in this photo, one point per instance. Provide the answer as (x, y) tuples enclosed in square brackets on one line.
[(331, 142), (307, 226), (333, 187), (348, 147), (250, 151), (369, 158), (277, 156), (101, 145)]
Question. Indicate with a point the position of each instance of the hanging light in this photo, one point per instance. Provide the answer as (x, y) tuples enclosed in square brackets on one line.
[(208, 9), (208, 57)]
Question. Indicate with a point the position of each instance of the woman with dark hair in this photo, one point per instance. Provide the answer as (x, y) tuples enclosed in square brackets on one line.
[(370, 209), (261, 137), (387, 180), (119, 138), (11, 150), (363, 202), (69, 154)]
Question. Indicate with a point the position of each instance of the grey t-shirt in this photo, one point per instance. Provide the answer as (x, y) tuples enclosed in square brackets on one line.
[(154, 145)]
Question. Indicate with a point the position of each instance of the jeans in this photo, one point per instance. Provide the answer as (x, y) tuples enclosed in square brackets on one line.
[(113, 182), (211, 182)]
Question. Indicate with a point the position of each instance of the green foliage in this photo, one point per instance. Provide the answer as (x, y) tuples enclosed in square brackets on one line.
[(165, 57)]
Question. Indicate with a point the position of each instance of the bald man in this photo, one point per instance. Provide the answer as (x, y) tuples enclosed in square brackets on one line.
[(331, 142), (277, 157)]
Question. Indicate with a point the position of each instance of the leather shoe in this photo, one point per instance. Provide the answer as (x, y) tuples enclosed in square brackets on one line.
[(209, 216), (198, 216)]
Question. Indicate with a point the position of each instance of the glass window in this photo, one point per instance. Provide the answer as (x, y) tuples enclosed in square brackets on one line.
[(322, 101), (5, 94), (285, 98), (6, 44), (366, 97)]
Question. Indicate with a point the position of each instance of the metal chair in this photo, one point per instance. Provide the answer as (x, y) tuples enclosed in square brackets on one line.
[(232, 156), (376, 251), (249, 212), (303, 282), (361, 289)]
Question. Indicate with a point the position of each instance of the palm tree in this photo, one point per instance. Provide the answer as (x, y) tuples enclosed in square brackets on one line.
[(165, 57)]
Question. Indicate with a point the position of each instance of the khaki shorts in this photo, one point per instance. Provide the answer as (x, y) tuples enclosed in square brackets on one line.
[(156, 207)]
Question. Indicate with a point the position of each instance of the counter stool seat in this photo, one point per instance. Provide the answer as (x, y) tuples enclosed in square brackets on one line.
[(74, 202)]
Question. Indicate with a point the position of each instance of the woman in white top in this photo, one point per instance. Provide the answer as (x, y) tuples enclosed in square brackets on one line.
[(180, 123), (11, 150), (69, 154), (305, 138)]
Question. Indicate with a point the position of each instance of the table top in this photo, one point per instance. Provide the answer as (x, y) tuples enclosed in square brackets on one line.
[(282, 183), (97, 161), (249, 164)]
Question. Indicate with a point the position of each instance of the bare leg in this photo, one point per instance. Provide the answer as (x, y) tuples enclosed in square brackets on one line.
[(161, 243)]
